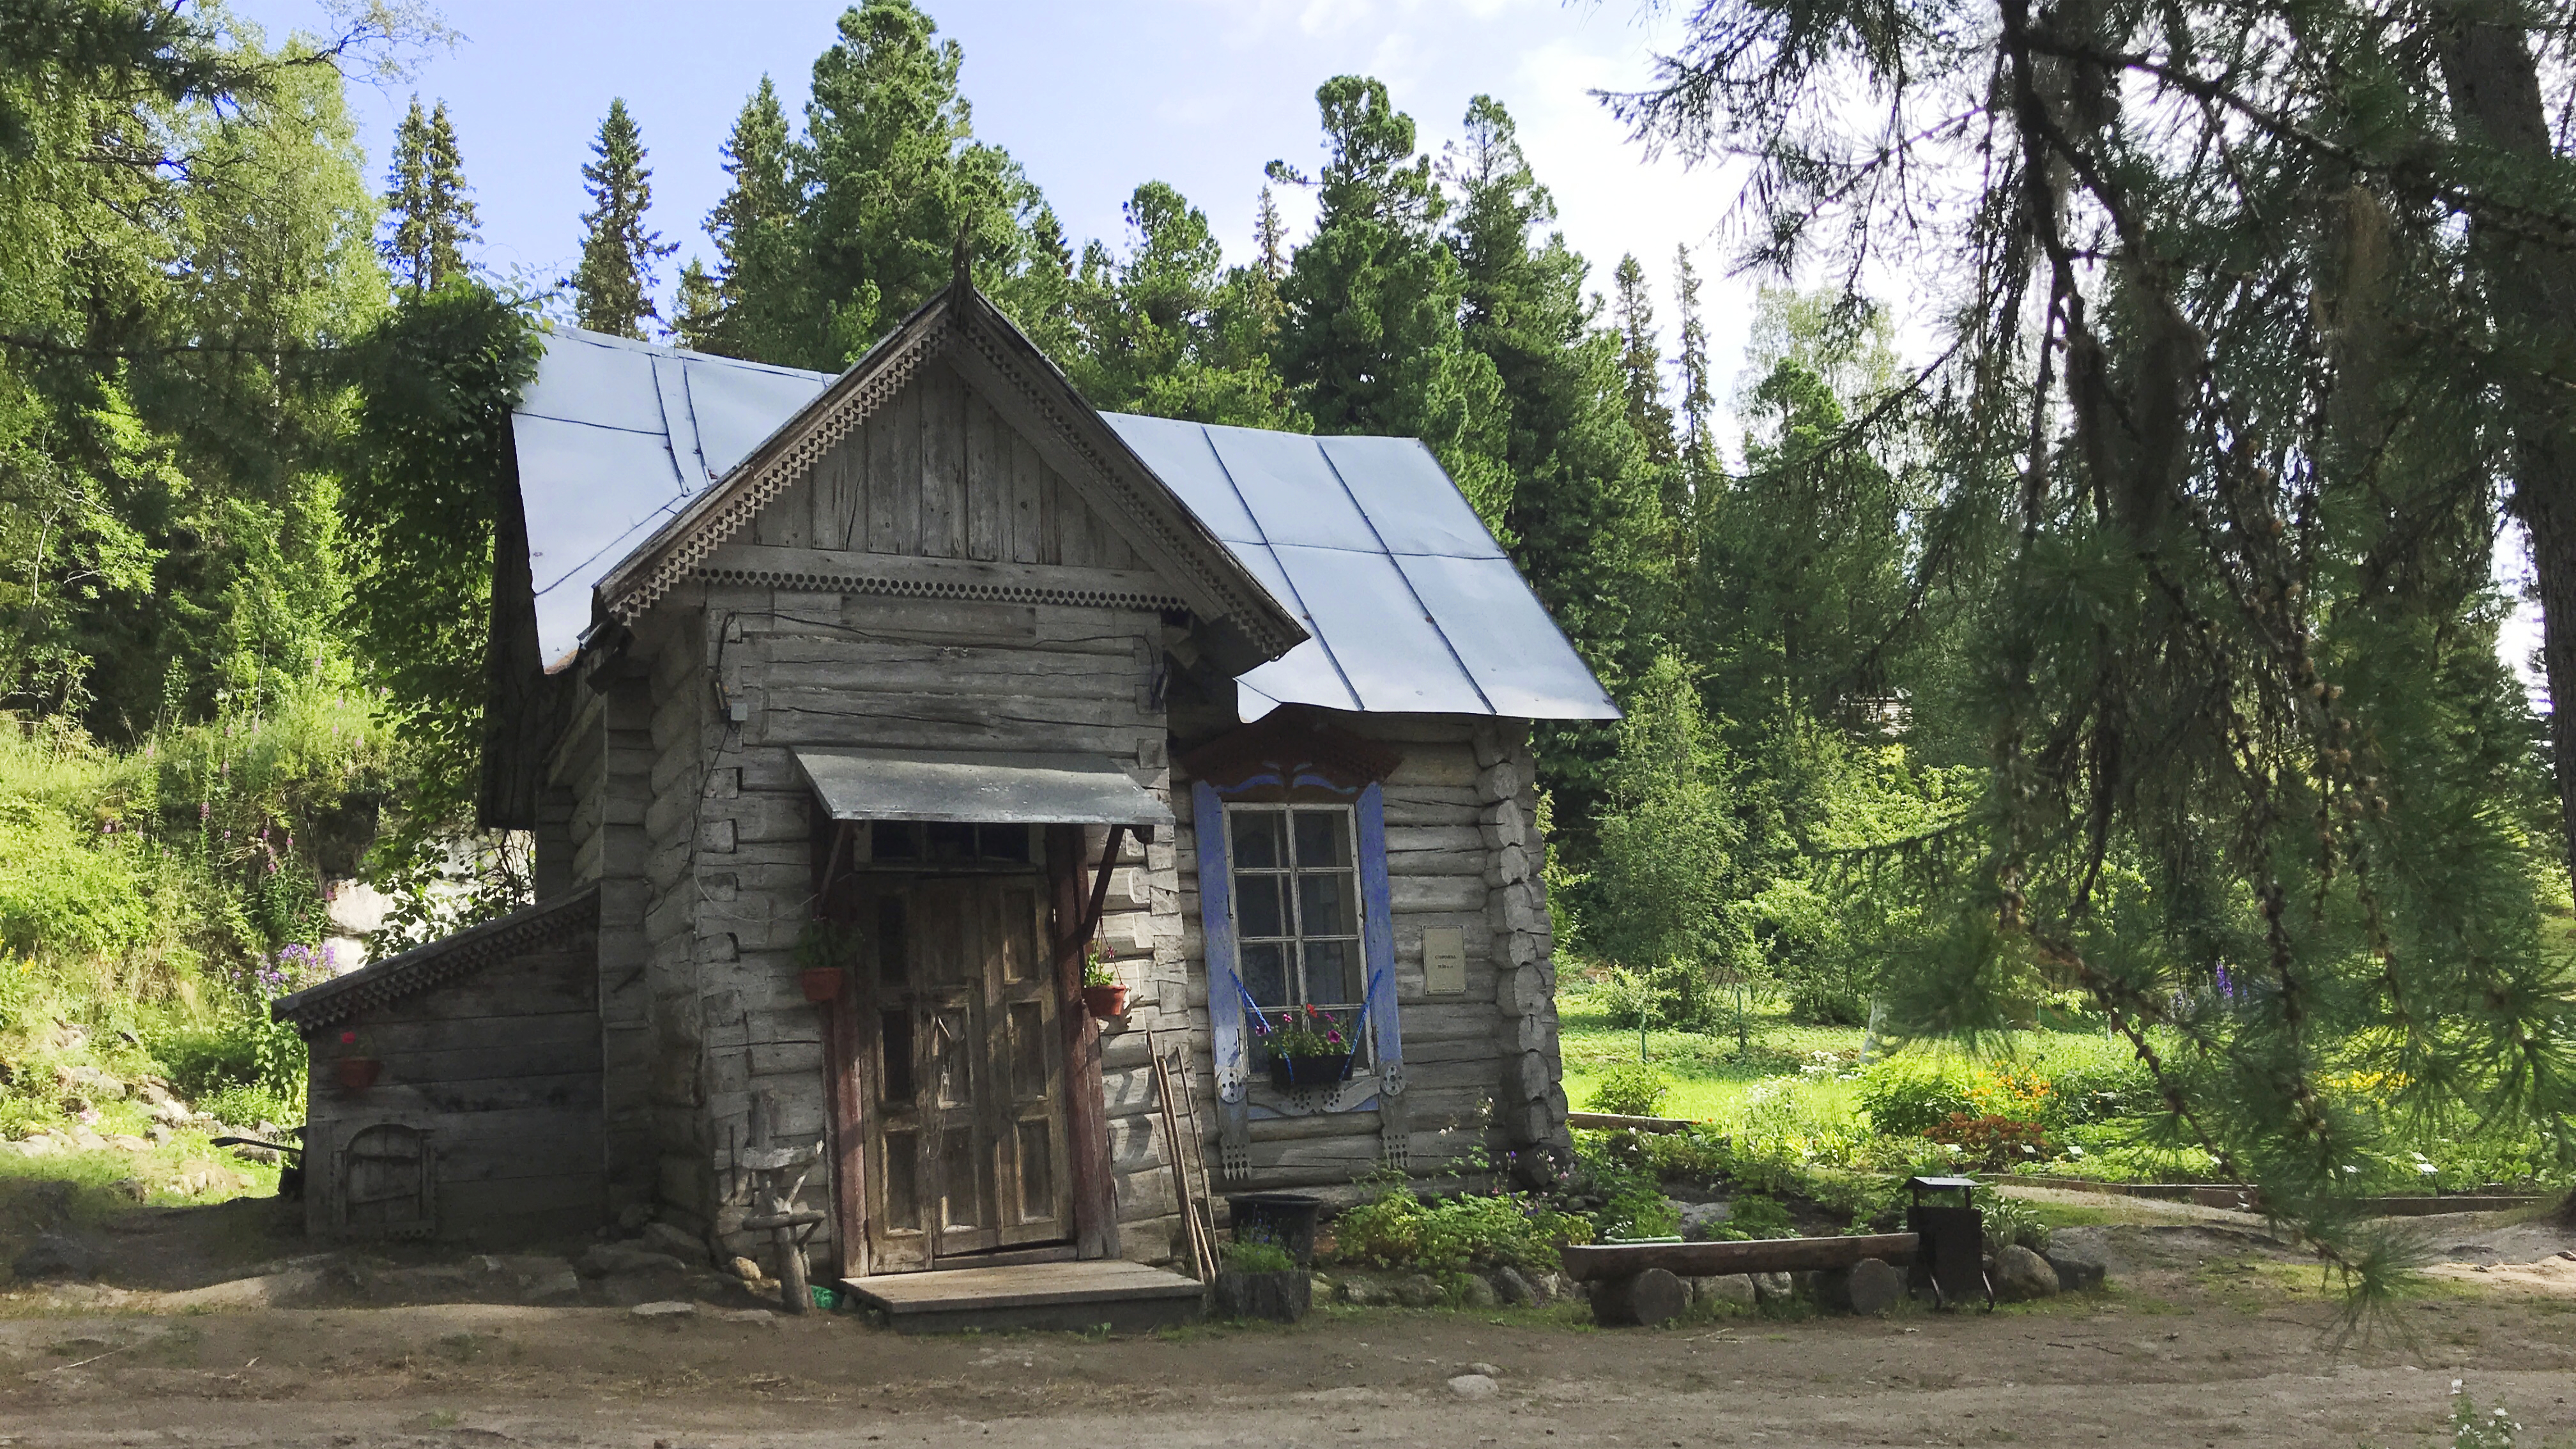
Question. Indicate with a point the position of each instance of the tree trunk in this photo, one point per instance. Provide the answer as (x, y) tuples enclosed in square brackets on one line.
[(2531, 292)]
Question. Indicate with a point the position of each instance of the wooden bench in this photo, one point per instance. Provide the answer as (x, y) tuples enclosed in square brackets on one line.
[(1640, 1283)]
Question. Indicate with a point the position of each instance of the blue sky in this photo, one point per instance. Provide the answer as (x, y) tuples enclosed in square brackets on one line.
[(1092, 98)]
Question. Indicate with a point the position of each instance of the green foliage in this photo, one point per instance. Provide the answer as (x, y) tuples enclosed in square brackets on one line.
[(613, 287), (430, 217), (1908, 1097), (1168, 330), (1751, 1215), (1257, 1255), (1631, 1089), (2009, 1220), (757, 303), (1665, 864), (1397, 1229)]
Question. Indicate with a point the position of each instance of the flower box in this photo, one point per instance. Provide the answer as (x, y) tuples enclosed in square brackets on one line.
[(1290, 1073), (356, 1074), (820, 983)]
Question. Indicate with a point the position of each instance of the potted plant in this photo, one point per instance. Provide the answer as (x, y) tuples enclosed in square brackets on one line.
[(353, 1068), (1307, 1049), (823, 954), (1102, 991), (1259, 1278)]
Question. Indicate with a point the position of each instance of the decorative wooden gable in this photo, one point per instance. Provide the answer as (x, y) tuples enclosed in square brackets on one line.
[(955, 461)]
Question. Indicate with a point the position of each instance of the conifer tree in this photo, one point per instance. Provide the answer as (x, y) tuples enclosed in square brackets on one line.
[(429, 214), (1697, 443), (761, 303), (1370, 333), (2214, 416), (1640, 369), (1167, 329), (697, 308), (894, 178), (613, 290)]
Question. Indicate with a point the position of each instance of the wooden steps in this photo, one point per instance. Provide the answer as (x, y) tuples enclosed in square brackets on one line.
[(1127, 1297)]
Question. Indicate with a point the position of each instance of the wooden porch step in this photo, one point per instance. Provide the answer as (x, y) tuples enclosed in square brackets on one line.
[(1127, 1297)]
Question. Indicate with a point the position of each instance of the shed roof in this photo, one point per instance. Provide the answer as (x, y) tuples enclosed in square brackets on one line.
[(1410, 604), (532, 928)]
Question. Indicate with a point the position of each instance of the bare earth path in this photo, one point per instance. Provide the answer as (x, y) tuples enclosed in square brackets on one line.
[(2212, 1340)]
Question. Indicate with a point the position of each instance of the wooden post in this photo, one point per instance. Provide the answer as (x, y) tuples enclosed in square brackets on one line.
[(1086, 1114), (847, 1053)]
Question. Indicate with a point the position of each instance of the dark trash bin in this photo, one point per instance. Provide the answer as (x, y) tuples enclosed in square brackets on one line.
[(1285, 1218)]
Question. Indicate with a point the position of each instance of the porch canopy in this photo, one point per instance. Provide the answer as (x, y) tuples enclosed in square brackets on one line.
[(981, 787)]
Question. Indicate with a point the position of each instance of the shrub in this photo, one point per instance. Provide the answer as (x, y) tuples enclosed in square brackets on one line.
[(1257, 1254), (1753, 1215), (2009, 1221), (1631, 1089), (1907, 1099), (1992, 1141), (1396, 1229), (1679, 996)]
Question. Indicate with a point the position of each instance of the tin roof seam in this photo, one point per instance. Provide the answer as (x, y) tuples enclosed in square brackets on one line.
[(1298, 601), (1410, 591)]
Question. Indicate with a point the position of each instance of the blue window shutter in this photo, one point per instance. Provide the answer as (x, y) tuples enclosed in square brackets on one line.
[(1377, 905), (1225, 988)]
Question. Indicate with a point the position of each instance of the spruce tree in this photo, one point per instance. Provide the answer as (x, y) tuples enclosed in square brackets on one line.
[(1641, 374), (1167, 329), (1697, 443), (613, 290), (1369, 334), (761, 307), (429, 215)]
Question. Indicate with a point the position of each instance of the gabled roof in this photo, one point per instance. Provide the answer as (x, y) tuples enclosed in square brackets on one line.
[(628, 452), (442, 960)]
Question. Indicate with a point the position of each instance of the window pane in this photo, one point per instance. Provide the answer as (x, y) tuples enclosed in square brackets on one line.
[(1257, 844), (893, 840), (1333, 975), (951, 840), (1002, 842), (1322, 840), (1261, 913), (1325, 907), (1265, 973)]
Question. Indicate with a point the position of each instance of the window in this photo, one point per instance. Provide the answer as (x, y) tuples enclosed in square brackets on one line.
[(1297, 905)]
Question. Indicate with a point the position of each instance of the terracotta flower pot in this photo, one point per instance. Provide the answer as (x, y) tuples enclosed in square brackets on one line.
[(1106, 1002), (356, 1074), (823, 983)]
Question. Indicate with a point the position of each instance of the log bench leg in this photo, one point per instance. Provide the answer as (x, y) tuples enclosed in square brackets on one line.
[(1639, 1300)]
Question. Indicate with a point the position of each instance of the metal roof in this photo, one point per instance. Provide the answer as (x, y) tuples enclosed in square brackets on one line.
[(982, 787), (1411, 604)]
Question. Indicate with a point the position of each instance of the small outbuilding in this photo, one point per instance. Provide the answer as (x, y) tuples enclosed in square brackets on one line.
[(860, 719)]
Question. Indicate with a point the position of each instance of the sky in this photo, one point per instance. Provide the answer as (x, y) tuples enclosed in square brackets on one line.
[(1093, 97)]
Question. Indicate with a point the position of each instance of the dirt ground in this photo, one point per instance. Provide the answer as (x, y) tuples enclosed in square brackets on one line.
[(2211, 1334)]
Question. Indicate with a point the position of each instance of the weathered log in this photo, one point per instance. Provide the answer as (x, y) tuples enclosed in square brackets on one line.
[(1642, 1299), (1592, 1262)]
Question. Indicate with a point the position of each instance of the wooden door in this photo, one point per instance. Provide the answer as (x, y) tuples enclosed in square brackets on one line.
[(964, 1110)]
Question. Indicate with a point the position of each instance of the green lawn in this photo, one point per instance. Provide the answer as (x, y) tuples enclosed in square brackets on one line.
[(1711, 1074)]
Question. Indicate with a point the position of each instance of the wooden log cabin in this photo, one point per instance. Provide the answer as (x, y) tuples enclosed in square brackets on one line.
[(991, 683)]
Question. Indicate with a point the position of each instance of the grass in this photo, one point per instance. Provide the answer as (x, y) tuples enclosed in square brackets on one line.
[(1711, 1074)]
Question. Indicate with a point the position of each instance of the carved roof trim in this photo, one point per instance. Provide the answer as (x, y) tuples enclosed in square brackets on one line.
[(423, 967)]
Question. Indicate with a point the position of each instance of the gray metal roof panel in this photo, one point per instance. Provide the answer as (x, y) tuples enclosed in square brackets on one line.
[(1505, 639), (1359, 538), (1395, 656), (985, 787), (1408, 497)]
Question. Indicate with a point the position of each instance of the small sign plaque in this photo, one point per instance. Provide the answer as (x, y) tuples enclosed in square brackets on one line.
[(1444, 961)]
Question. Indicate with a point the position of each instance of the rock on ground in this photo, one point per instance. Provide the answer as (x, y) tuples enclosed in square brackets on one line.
[(669, 1308), (1473, 1386), (1700, 1220), (2021, 1275), (1511, 1288), (1774, 1287), (2078, 1271), (603, 1260), (665, 1238), (1475, 1292), (1723, 1290)]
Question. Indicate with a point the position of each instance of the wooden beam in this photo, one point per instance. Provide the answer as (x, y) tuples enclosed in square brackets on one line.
[(1086, 1114), (1587, 1263), (847, 1053), (1100, 882)]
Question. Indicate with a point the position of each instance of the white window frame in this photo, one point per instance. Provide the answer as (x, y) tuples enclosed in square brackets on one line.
[(1349, 1013)]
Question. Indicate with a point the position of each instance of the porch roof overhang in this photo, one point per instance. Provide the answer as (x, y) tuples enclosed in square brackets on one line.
[(980, 787)]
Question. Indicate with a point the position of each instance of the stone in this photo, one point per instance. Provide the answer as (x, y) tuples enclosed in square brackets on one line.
[(1366, 1293), (633, 1217), (1723, 1290), (745, 1269), (56, 1255), (1700, 1220), (1488, 1370), (667, 1308), (1475, 1292), (1873, 1286), (544, 1280), (1474, 1386), (602, 1260), (1553, 1286), (1416, 1290), (1513, 1290), (1774, 1287), (2021, 1275), (757, 1317), (665, 1238), (127, 1142), (2078, 1270), (50, 1201)]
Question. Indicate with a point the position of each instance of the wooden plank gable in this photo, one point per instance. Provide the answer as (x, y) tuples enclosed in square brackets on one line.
[(940, 473)]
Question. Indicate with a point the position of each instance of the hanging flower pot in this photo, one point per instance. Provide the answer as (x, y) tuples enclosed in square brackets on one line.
[(821, 983), (356, 1074), (1107, 1000)]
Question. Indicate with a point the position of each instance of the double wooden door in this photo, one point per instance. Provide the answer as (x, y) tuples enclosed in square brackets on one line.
[(962, 1099)]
